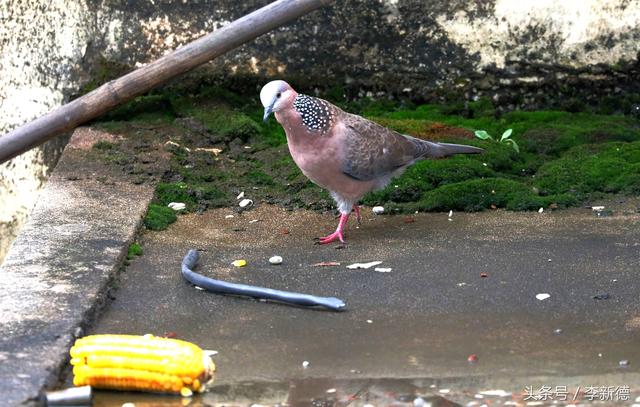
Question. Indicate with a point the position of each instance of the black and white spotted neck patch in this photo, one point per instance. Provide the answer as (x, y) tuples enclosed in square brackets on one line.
[(316, 113)]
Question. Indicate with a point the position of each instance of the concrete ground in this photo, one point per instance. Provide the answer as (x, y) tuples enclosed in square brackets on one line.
[(408, 332)]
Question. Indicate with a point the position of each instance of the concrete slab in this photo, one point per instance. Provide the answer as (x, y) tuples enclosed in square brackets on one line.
[(409, 331), (59, 270)]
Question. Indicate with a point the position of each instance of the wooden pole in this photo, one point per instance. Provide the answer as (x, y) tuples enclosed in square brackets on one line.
[(140, 81)]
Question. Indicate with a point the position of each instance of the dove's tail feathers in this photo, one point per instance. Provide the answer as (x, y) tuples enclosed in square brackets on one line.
[(440, 150)]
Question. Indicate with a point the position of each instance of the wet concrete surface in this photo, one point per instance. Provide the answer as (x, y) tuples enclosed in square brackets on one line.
[(405, 333)]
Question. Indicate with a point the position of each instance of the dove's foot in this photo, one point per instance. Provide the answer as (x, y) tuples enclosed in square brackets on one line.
[(338, 234)]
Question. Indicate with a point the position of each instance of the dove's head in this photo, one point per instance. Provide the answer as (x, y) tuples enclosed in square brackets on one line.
[(275, 96)]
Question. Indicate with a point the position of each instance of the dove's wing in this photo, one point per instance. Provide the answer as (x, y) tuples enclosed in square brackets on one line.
[(373, 151)]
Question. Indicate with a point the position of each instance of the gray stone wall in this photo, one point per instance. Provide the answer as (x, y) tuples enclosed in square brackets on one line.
[(520, 54)]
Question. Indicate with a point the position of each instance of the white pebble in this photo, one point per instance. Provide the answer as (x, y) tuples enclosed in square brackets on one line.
[(245, 202), (177, 206), (331, 390), (378, 210), (540, 210), (240, 195), (305, 364), (450, 213), (444, 391), (542, 296), (369, 321), (228, 217), (275, 260), (383, 269)]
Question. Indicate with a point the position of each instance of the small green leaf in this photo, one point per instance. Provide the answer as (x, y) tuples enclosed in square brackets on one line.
[(514, 145), (506, 135), (481, 134)]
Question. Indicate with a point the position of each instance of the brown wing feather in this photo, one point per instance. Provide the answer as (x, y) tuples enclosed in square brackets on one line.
[(373, 151)]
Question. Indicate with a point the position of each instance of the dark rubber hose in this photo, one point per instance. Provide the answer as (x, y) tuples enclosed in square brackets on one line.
[(222, 287)]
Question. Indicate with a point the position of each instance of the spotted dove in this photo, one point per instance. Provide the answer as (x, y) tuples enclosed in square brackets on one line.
[(342, 152)]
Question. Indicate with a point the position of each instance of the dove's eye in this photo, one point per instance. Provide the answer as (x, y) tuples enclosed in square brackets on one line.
[(278, 94)]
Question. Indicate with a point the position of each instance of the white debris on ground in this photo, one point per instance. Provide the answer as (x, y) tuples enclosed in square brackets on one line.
[(305, 364), (541, 210), (177, 206), (378, 210), (542, 296), (597, 208), (245, 203), (363, 265), (275, 260), (383, 269), (240, 195), (228, 217)]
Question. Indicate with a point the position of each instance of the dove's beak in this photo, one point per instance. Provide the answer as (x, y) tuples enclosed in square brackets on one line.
[(267, 112)]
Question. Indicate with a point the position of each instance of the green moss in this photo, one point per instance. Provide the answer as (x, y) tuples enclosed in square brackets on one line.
[(193, 195), (103, 145), (134, 250), (479, 194), (427, 175), (608, 167), (159, 217)]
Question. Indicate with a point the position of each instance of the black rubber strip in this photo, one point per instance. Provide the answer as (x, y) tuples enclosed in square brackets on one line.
[(221, 287)]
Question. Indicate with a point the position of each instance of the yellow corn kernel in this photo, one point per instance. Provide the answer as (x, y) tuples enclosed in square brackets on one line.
[(129, 362)]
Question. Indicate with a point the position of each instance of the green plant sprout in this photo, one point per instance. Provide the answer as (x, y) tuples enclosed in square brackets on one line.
[(505, 138)]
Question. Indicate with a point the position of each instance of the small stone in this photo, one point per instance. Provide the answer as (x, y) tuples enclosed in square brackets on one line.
[(275, 260), (383, 269), (254, 221), (305, 364), (240, 195), (540, 210), (378, 210), (557, 331), (409, 219), (623, 363), (369, 321), (228, 217), (239, 263), (542, 296), (331, 391), (601, 296), (450, 213), (177, 206), (285, 231), (245, 203), (444, 391)]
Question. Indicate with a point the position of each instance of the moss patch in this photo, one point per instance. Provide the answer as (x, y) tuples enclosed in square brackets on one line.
[(159, 217), (134, 250)]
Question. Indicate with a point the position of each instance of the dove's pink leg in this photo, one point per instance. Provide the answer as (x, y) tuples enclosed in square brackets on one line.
[(356, 209), (337, 235)]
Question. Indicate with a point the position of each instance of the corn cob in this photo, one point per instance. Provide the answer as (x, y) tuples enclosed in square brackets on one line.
[(147, 363)]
